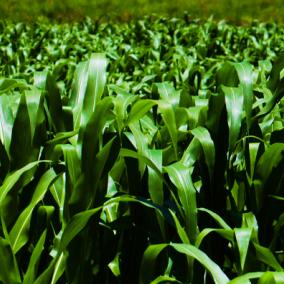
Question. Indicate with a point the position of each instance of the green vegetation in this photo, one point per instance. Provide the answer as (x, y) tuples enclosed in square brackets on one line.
[(241, 11), (144, 152)]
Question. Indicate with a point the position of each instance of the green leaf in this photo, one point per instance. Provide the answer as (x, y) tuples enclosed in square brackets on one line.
[(246, 77), (181, 178), (19, 234), (276, 197), (102, 163), (114, 265), (88, 87), (31, 272), (72, 161), (80, 220), (150, 255), (266, 256), (139, 109), (234, 106), (165, 279), (21, 150), (147, 267), (122, 102), (76, 225), (191, 153), (58, 192), (217, 274), (168, 93), (7, 84), (169, 119), (269, 161), (203, 136), (274, 78), (216, 105), (227, 76), (131, 154), (62, 136), (59, 268), (155, 184), (267, 277), (54, 102), (43, 185), (253, 150), (180, 230), (46, 275), (249, 221), (40, 79), (96, 84), (216, 217), (78, 90), (272, 277), (139, 142), (13, 177), (227, 234), (35, 106), (6, 120), (243, 236), (245, 279), (93, 133), (9, 273), (275, 84)]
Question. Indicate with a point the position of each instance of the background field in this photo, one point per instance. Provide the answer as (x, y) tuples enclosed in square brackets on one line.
[(242, 11)]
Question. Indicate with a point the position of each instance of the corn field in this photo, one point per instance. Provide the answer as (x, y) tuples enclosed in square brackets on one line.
[(143, 152)]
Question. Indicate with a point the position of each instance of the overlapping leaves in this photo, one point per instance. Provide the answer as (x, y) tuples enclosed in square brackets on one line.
[(168, 169)]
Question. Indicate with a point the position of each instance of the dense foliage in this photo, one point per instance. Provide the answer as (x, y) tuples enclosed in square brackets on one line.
[(241, 11), (147, 152)]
